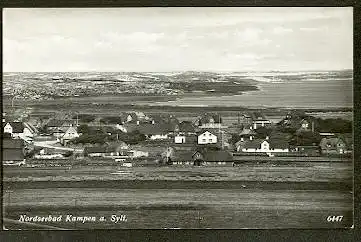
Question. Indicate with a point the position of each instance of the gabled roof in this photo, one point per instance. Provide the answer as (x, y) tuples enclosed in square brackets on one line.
[(305, 120), (220, 155), (30, 127), (258, 116), (251, 144), (54, 123), (71, 129), (247, 132), (333, 141), (207, 131), (133, 115), (18, 127), (148, 129), (348, 138)]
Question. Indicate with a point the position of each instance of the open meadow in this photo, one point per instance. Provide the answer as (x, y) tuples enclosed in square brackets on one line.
[(298, 195)]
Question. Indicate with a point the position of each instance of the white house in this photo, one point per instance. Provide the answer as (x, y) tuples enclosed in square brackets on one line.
[(179, 139), (138, 153), (122, 128), (207, 138), (19, 130), (263, 146), (69, 134), (158, 136), (261, 123)]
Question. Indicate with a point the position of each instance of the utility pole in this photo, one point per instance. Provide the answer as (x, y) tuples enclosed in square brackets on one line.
[(219, 130)]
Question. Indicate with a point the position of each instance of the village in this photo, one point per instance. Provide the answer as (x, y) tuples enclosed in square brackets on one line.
[(138, 139)]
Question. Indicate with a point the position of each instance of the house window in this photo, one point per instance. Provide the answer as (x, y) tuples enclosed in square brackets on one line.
[(204, 140), (204, 134), (210, 140)]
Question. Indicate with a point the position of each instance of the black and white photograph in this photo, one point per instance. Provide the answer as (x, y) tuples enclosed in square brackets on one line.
[(177, 118)]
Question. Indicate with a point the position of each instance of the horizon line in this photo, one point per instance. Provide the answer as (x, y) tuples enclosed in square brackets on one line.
[(319, 70)]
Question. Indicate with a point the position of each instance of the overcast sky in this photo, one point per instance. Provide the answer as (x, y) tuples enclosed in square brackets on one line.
[(177, 39)]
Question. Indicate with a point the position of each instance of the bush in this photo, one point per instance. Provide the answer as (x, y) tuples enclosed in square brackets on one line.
[(68, 153), (90, 139), (111, 120), (334, 125), (84, 129)]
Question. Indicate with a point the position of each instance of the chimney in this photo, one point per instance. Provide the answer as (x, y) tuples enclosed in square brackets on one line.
[(137, 122), (153, 122), (242, 139), (251, 137), (267, 138)]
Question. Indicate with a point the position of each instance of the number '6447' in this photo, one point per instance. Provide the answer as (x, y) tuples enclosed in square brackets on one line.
[(334, 218)]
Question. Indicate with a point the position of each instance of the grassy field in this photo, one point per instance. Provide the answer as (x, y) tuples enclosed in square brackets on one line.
[(184, 208), (266, 172), (299, 195)]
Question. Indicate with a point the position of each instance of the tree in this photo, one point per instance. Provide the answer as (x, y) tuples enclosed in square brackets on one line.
[(306, 138), (84, 129), (111, 120), (68, 153), (234, 139), (263, 132), (334, 125), (91, 139)]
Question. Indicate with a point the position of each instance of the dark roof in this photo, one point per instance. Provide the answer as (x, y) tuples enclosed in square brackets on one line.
[(254, 144), (13, 154), (247, 132), (149, 129), (278, 143), (347, 138), (258, 116), (18, 127), (214, 131), (30, 127), (54, 123), (60, 123), (220, 155), (183, 155), (13, 143), (332, 142)]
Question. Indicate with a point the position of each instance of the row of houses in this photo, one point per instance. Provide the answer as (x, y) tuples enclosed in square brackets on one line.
[(19, 130), (328, 145)]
